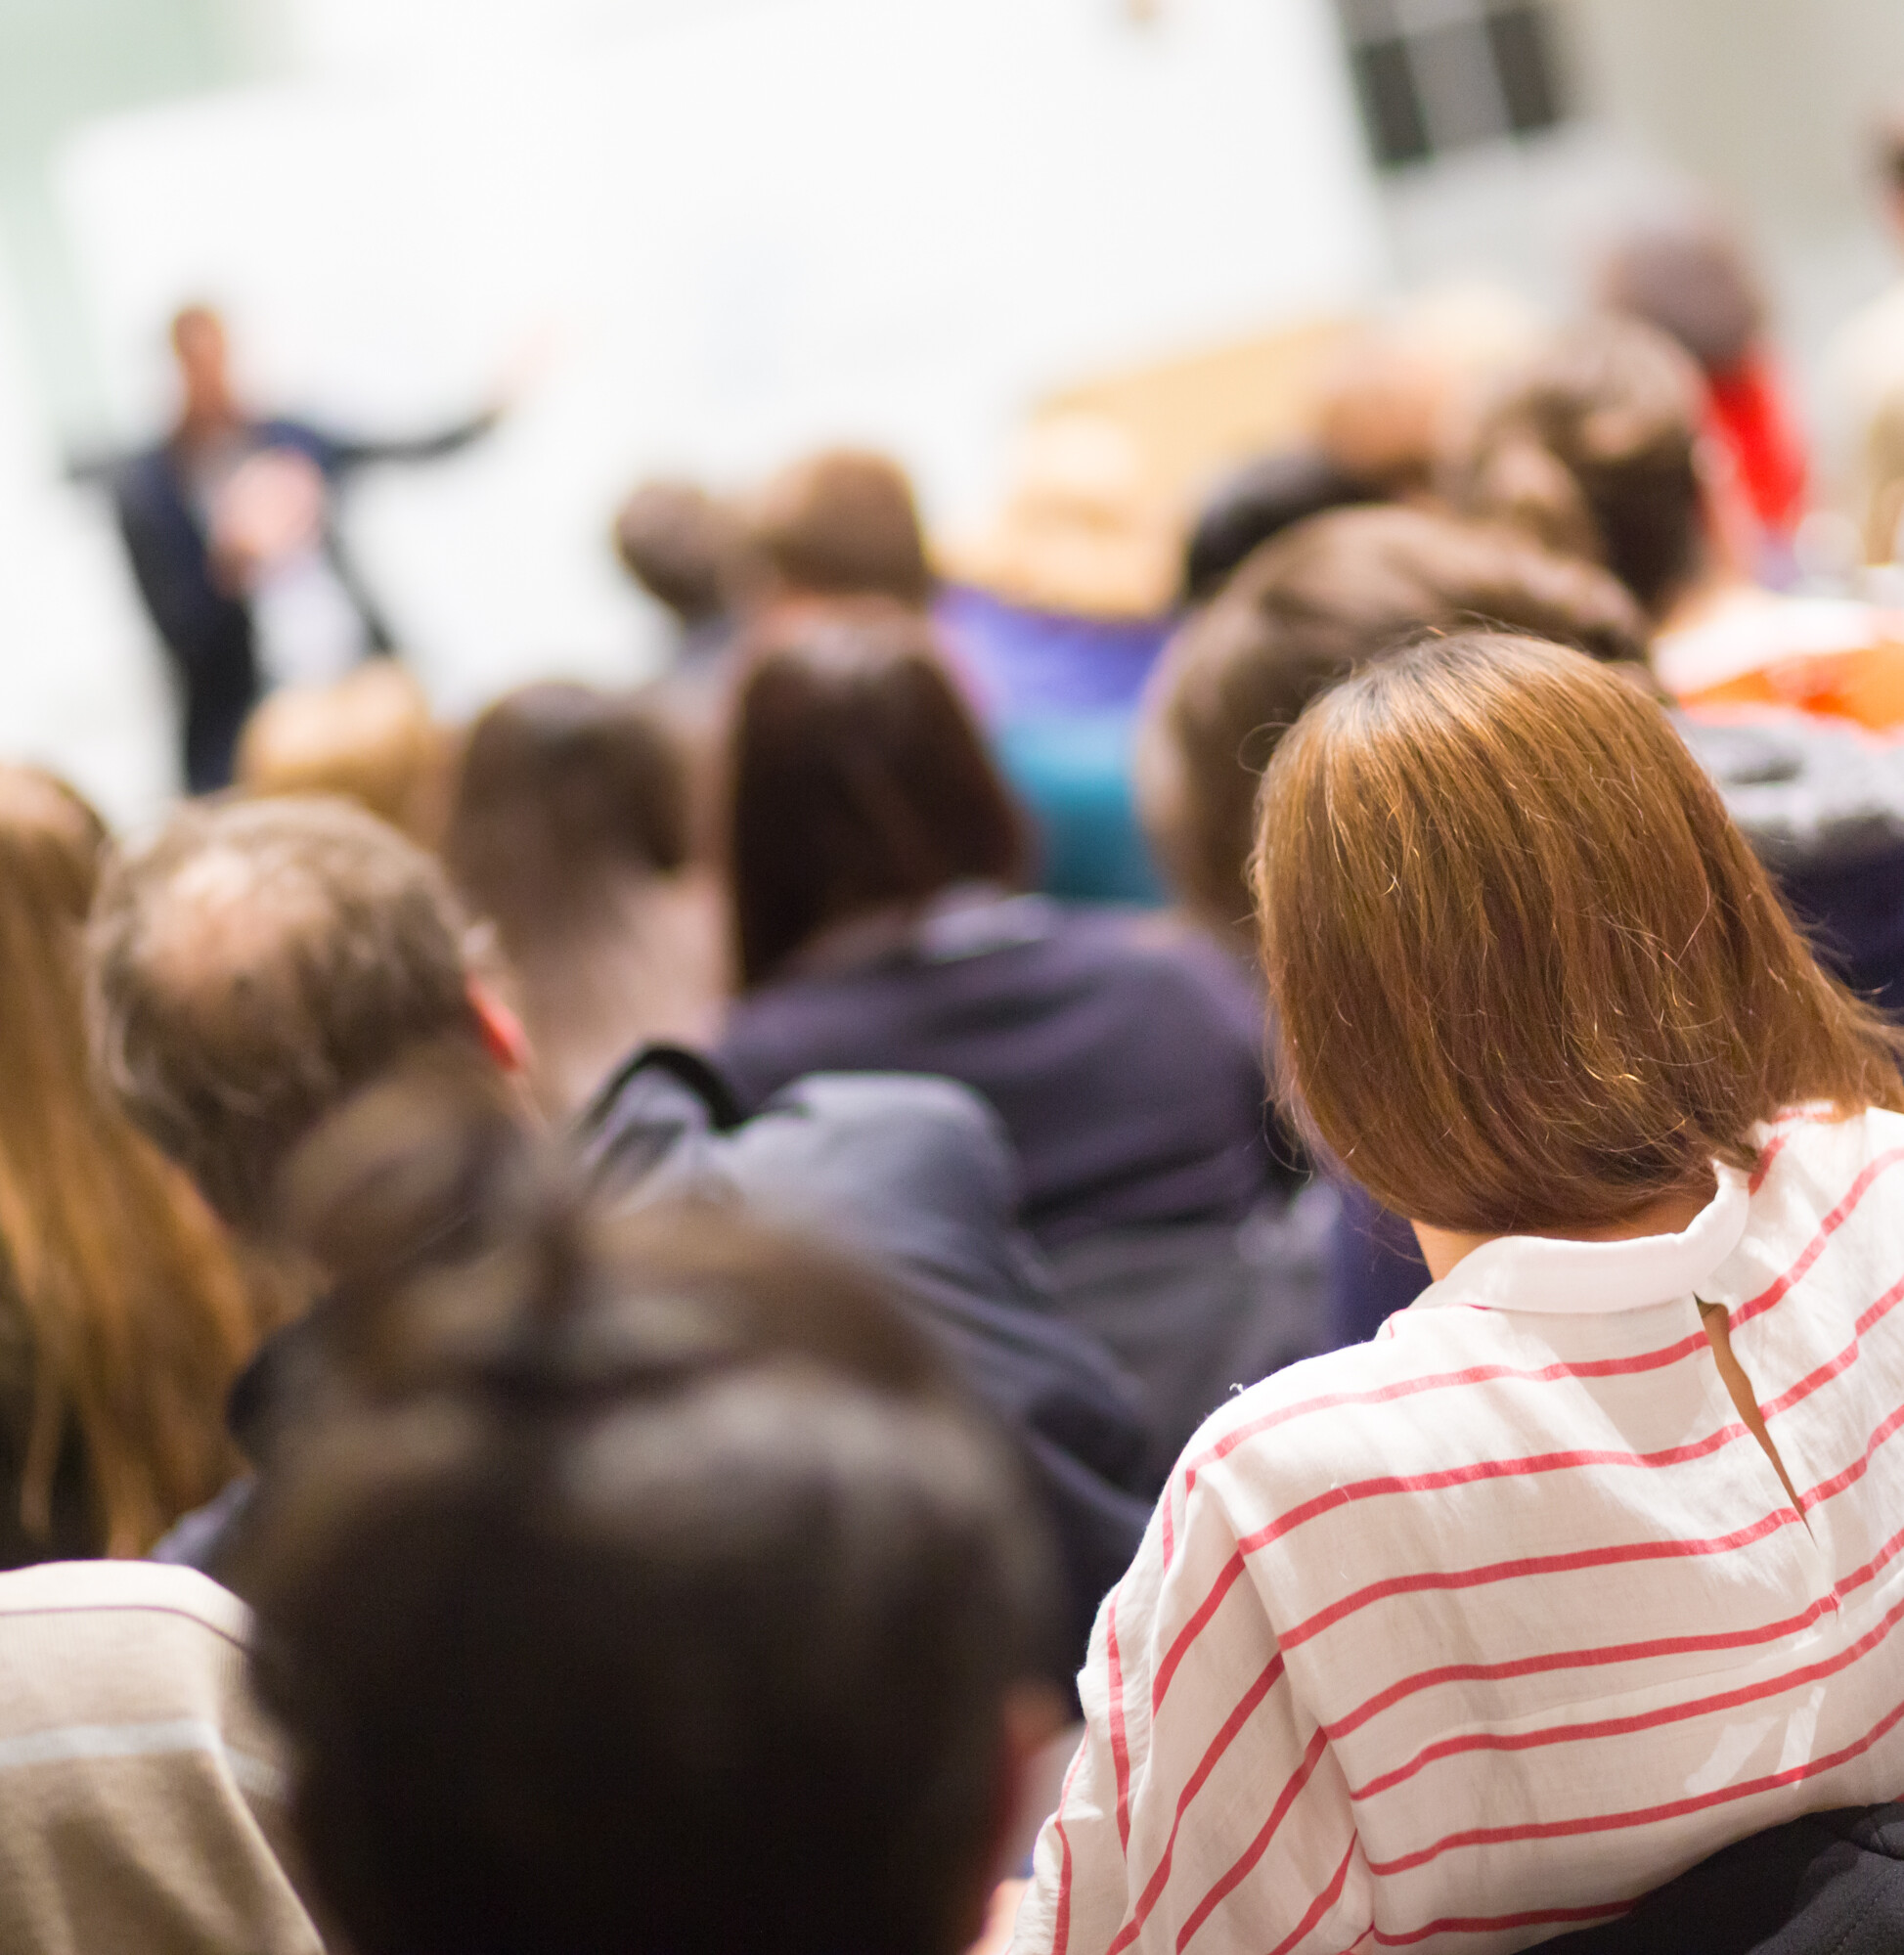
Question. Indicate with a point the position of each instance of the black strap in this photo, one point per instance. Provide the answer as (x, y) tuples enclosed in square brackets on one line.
[(697, 1074)]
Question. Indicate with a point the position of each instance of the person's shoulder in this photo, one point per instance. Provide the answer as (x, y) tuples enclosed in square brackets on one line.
[(1804, 789), (130, 1589), (1306, 1425), (146, 474), (1813, 1155), (318, 444), (913, 1127), (1821, 1176), (1170, 954)]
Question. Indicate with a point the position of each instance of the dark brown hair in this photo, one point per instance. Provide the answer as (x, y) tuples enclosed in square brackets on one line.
[(685, 547), (667, 1577), (560, 785), (1591, 449), (569, 832), (1303, 612), (132, 1316), (843, 524), (254, 963), (1524, 971), (859, 778)]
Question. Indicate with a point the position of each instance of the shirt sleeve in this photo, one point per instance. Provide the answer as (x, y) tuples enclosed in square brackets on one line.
[(1204, 1808), (344, 452)]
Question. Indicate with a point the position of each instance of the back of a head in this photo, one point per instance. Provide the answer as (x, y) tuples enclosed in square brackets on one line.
[(687, 548), (368, 738), (843, 524), (1257, 503), (859, 778), (1524, 971), (677, 1604), (562, 791), (252, 964), (1306, 610), (134, 1318), (1690, 277), (1591, 447)]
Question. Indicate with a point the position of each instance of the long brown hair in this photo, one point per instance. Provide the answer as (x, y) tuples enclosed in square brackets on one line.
[(859, 778), (1525, 973), (134, 1314)]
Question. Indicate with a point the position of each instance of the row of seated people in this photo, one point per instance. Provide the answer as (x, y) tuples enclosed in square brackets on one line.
[(1591, 447), (1055, 615), (258, 962), (1586, 519), (1597, 441), (623, 1571), (1123, 1060)]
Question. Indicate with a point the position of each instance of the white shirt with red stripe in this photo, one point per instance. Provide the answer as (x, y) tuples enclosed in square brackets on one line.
[(1479, 1630)]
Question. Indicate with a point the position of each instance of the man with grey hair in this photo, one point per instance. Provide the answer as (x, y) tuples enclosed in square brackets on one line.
[(258, 963), (255, 964)]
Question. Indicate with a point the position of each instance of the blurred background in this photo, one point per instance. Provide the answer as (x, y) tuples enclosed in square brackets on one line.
[(700, 237)]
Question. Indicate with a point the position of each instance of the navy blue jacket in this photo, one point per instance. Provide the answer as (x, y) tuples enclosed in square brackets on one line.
[(917, 1177), (1127, 1068)]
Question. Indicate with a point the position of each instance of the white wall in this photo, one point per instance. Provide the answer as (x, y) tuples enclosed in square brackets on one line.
[(754, 227), (76, 691)]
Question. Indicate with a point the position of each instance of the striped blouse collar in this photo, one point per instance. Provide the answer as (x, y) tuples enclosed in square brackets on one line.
[(1532, 1273)]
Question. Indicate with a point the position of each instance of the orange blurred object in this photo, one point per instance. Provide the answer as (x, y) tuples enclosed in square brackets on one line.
[(1829, 656)]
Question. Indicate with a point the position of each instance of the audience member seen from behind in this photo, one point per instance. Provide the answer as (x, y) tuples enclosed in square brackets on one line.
[(1259, 503), (252, 965), (1690, 277), (144, 1800), (842, 523), (1645, 1142), (875, 866), (1822, 806), (1593, 447), (258, 964), (568, 831), (1301, 614), (672, 1597), (255, 963), (369, 738), (690, 552), (123, 1318), (1384, 402)]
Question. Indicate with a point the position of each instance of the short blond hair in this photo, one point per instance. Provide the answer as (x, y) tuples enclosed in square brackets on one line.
[(366, 738)]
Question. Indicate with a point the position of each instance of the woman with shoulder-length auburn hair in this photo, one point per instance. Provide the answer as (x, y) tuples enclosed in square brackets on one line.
[(122, 1318), (1593, 1561)]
